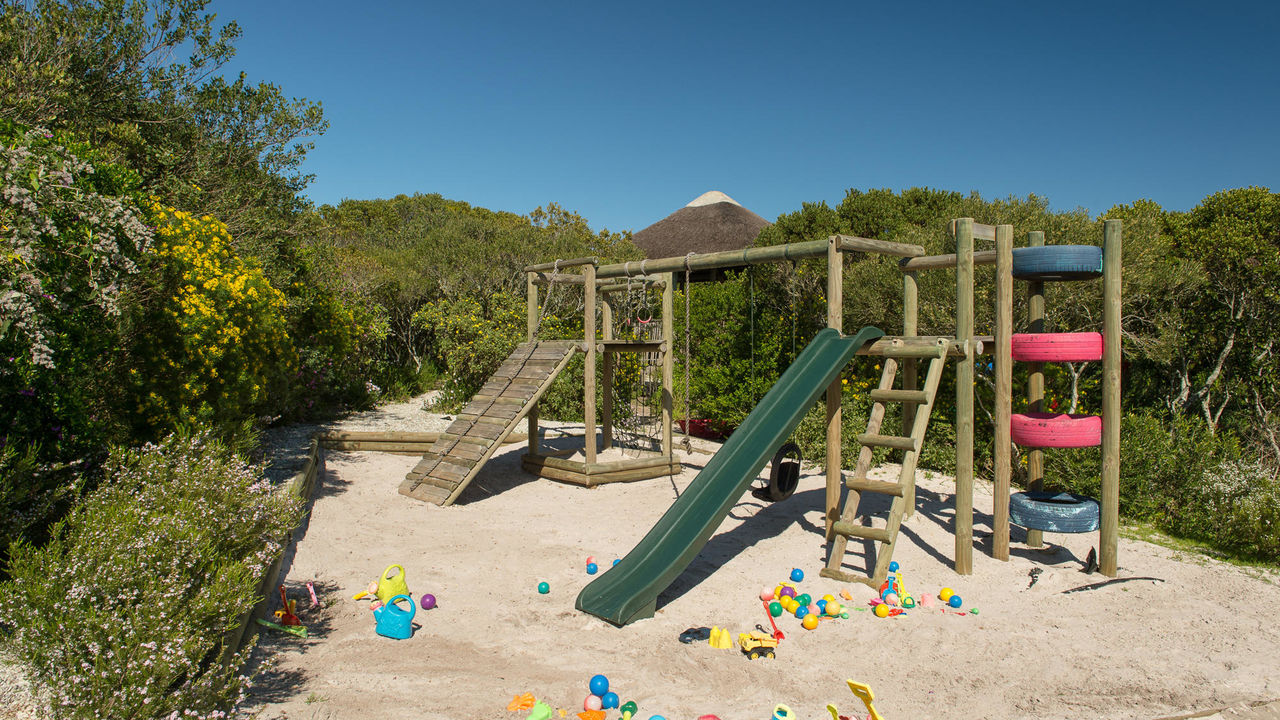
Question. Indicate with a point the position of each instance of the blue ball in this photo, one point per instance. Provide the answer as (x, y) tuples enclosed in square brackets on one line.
[(609, 701), (822, 605), (802, 611), (893, 566), (955, 601), (797, 575), (592, 568), (599, 685), (617, 560), (656, 717)]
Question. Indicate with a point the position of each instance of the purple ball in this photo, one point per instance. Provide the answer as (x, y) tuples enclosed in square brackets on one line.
[(428, 601), (789, 591)]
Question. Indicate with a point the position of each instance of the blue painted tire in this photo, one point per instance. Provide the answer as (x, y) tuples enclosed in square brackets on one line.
[(1057, 262), (1054, 512)]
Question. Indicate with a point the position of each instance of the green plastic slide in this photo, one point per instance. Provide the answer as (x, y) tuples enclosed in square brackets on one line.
[(629, 590)]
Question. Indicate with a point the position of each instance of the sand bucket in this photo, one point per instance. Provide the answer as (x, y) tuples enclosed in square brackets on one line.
[(394, 622)]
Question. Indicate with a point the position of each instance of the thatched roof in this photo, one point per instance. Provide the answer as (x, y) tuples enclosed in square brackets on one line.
[(711, 223)]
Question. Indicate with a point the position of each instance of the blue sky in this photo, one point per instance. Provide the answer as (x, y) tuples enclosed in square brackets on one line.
[(625, 112)]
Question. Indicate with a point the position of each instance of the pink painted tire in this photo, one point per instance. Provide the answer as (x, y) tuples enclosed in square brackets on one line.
[(1057, 347), (1056, 431)]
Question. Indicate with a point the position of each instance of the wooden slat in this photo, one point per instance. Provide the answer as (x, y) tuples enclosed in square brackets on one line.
[(851, 529), (461, 462), (875, 486), (424, 492), (890, 441), (448, 471), (911, 396)]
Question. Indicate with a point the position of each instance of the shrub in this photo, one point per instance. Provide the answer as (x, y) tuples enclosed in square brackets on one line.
[(125, 612), (214, 347), (1242, 501)]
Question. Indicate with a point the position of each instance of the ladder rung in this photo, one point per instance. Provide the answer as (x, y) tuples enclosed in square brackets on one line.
[(876, 486), (892, 441), (904, 396), (849, 529)]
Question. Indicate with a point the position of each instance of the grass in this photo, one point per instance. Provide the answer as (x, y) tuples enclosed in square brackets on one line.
[(1197, 552)]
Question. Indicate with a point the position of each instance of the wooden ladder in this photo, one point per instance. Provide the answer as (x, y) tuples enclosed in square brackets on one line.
[(902, 491)]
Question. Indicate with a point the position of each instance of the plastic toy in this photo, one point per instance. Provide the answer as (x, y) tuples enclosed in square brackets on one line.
[(628, 709), (521, 702), (720, 638), (591, 559), (592, 715), (695, 633), (955, 601), (427, 601), (782, 712), (797, 575), (609, 700), (893, 566), (757, 644), (592, 568), (599, 685), (809, 622), (592, 702), (311, 588), (787, 591), (287, 609), (543, 588), (766, 594), (863, 693), (298, 630), (777, 634), (945, 594), (391, 586), (540, 711), (392, 621)]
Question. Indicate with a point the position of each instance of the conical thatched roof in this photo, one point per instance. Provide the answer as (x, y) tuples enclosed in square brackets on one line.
[(711, 223)]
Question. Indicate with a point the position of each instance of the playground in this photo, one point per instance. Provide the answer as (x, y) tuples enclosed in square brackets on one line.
[(1203, 638), (643, 543)]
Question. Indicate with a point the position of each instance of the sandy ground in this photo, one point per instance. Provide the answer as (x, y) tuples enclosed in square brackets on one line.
[(1196, 638)]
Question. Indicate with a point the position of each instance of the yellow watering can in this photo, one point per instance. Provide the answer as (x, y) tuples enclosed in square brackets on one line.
[(390, 585)]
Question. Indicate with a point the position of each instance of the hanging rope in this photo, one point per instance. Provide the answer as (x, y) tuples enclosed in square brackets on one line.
[(546, 302)]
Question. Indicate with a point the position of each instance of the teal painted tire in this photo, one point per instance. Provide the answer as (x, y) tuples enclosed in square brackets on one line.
[(1054, 512), (1057, 262)]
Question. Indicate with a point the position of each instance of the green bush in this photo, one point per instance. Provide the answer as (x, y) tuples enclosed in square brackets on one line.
[(125, 612), (1242, 502)]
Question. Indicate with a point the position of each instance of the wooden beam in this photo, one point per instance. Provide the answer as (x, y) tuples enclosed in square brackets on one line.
[(725, 259), (606, 373), (964, 400), (1109, 533), (941, 262), (849, 243), (980, 231), (1003, 362), (557, 264), (589, 369), (1035, 384), (835, 319), (668, 360), (910, 325)]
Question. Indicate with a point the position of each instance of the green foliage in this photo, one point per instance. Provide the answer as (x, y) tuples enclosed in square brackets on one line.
[(473, 338), (125, 612)]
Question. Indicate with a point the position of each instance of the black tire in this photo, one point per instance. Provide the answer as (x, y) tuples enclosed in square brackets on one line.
[(784, 472), (753, 655), (1054, 512), (769, 654), (1057, 262)]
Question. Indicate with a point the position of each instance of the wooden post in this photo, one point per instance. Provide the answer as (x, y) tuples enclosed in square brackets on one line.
[(1035, 384), (1109, 533), (589, 370), (964, 399), (835, 319), (1003, 362), (910, 325), (668, 359), (532, 309), (606, 374)]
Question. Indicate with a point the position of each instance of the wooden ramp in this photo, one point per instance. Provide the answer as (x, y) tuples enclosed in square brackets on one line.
[(903, 491), (466, 445)]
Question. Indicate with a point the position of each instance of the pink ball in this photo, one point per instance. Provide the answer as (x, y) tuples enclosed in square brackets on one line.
[(766, 594), (591, 559), (592, 702), (891, 598)]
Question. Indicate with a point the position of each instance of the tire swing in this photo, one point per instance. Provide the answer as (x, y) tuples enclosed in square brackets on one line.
[(1057, 262), (1054, 512), (784, 474)]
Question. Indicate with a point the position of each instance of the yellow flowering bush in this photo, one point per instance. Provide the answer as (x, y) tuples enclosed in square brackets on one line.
[(216, 342)]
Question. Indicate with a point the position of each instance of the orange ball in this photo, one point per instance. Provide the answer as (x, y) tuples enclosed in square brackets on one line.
[(809, 622)]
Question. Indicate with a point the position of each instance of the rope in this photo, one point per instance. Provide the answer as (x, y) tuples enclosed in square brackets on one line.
[(546, 303), (688, 290)]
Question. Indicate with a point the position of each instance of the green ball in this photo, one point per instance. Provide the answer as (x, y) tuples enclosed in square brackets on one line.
[(845, 615), (804, 599), (775, 609), (973, 611), (543, 588)]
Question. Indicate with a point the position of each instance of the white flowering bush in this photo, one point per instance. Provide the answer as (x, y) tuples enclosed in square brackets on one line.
[(124, 613), (1242, 501)]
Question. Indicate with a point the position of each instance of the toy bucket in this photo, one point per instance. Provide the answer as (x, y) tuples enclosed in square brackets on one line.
[(392, 621), (389, 587)]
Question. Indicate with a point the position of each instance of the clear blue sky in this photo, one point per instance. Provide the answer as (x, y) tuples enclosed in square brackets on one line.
[(625, 112)]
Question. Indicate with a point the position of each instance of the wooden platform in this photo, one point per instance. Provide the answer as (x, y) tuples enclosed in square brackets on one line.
[(592, 474), (466, 445)]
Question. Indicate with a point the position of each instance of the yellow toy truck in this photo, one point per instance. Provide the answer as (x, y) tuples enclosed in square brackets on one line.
[(757, 644)]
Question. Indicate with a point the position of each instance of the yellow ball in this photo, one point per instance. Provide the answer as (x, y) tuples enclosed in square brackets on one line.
[(945, 594), (834, 608), (882, 610), (809, 622), (777, 591), (829, 597)]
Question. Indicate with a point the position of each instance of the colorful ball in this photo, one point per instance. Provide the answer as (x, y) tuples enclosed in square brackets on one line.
[(945, 594), (804, 598), (797, 575), (608, 701), (617, 560), (591, 559), (893, 566), (801, 611), (882, 610), (766, 594), (543, 588), (833, 608), (788, 591), (775, 609), (599, 685), (891, 598), (592, 568), (809, 622), (829, 597), (955, 601), (428, 601), (822, 606), (592, 702)]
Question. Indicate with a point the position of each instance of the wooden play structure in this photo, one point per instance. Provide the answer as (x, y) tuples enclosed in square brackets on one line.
[(512, 394)]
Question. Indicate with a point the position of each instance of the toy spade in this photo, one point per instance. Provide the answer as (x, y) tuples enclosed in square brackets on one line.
[(864, 694), (390, 586), (287, 609), (777, 634), (394, 622), (298, 630)]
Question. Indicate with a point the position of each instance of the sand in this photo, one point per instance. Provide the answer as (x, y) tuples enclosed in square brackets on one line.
[(1183, 634)]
